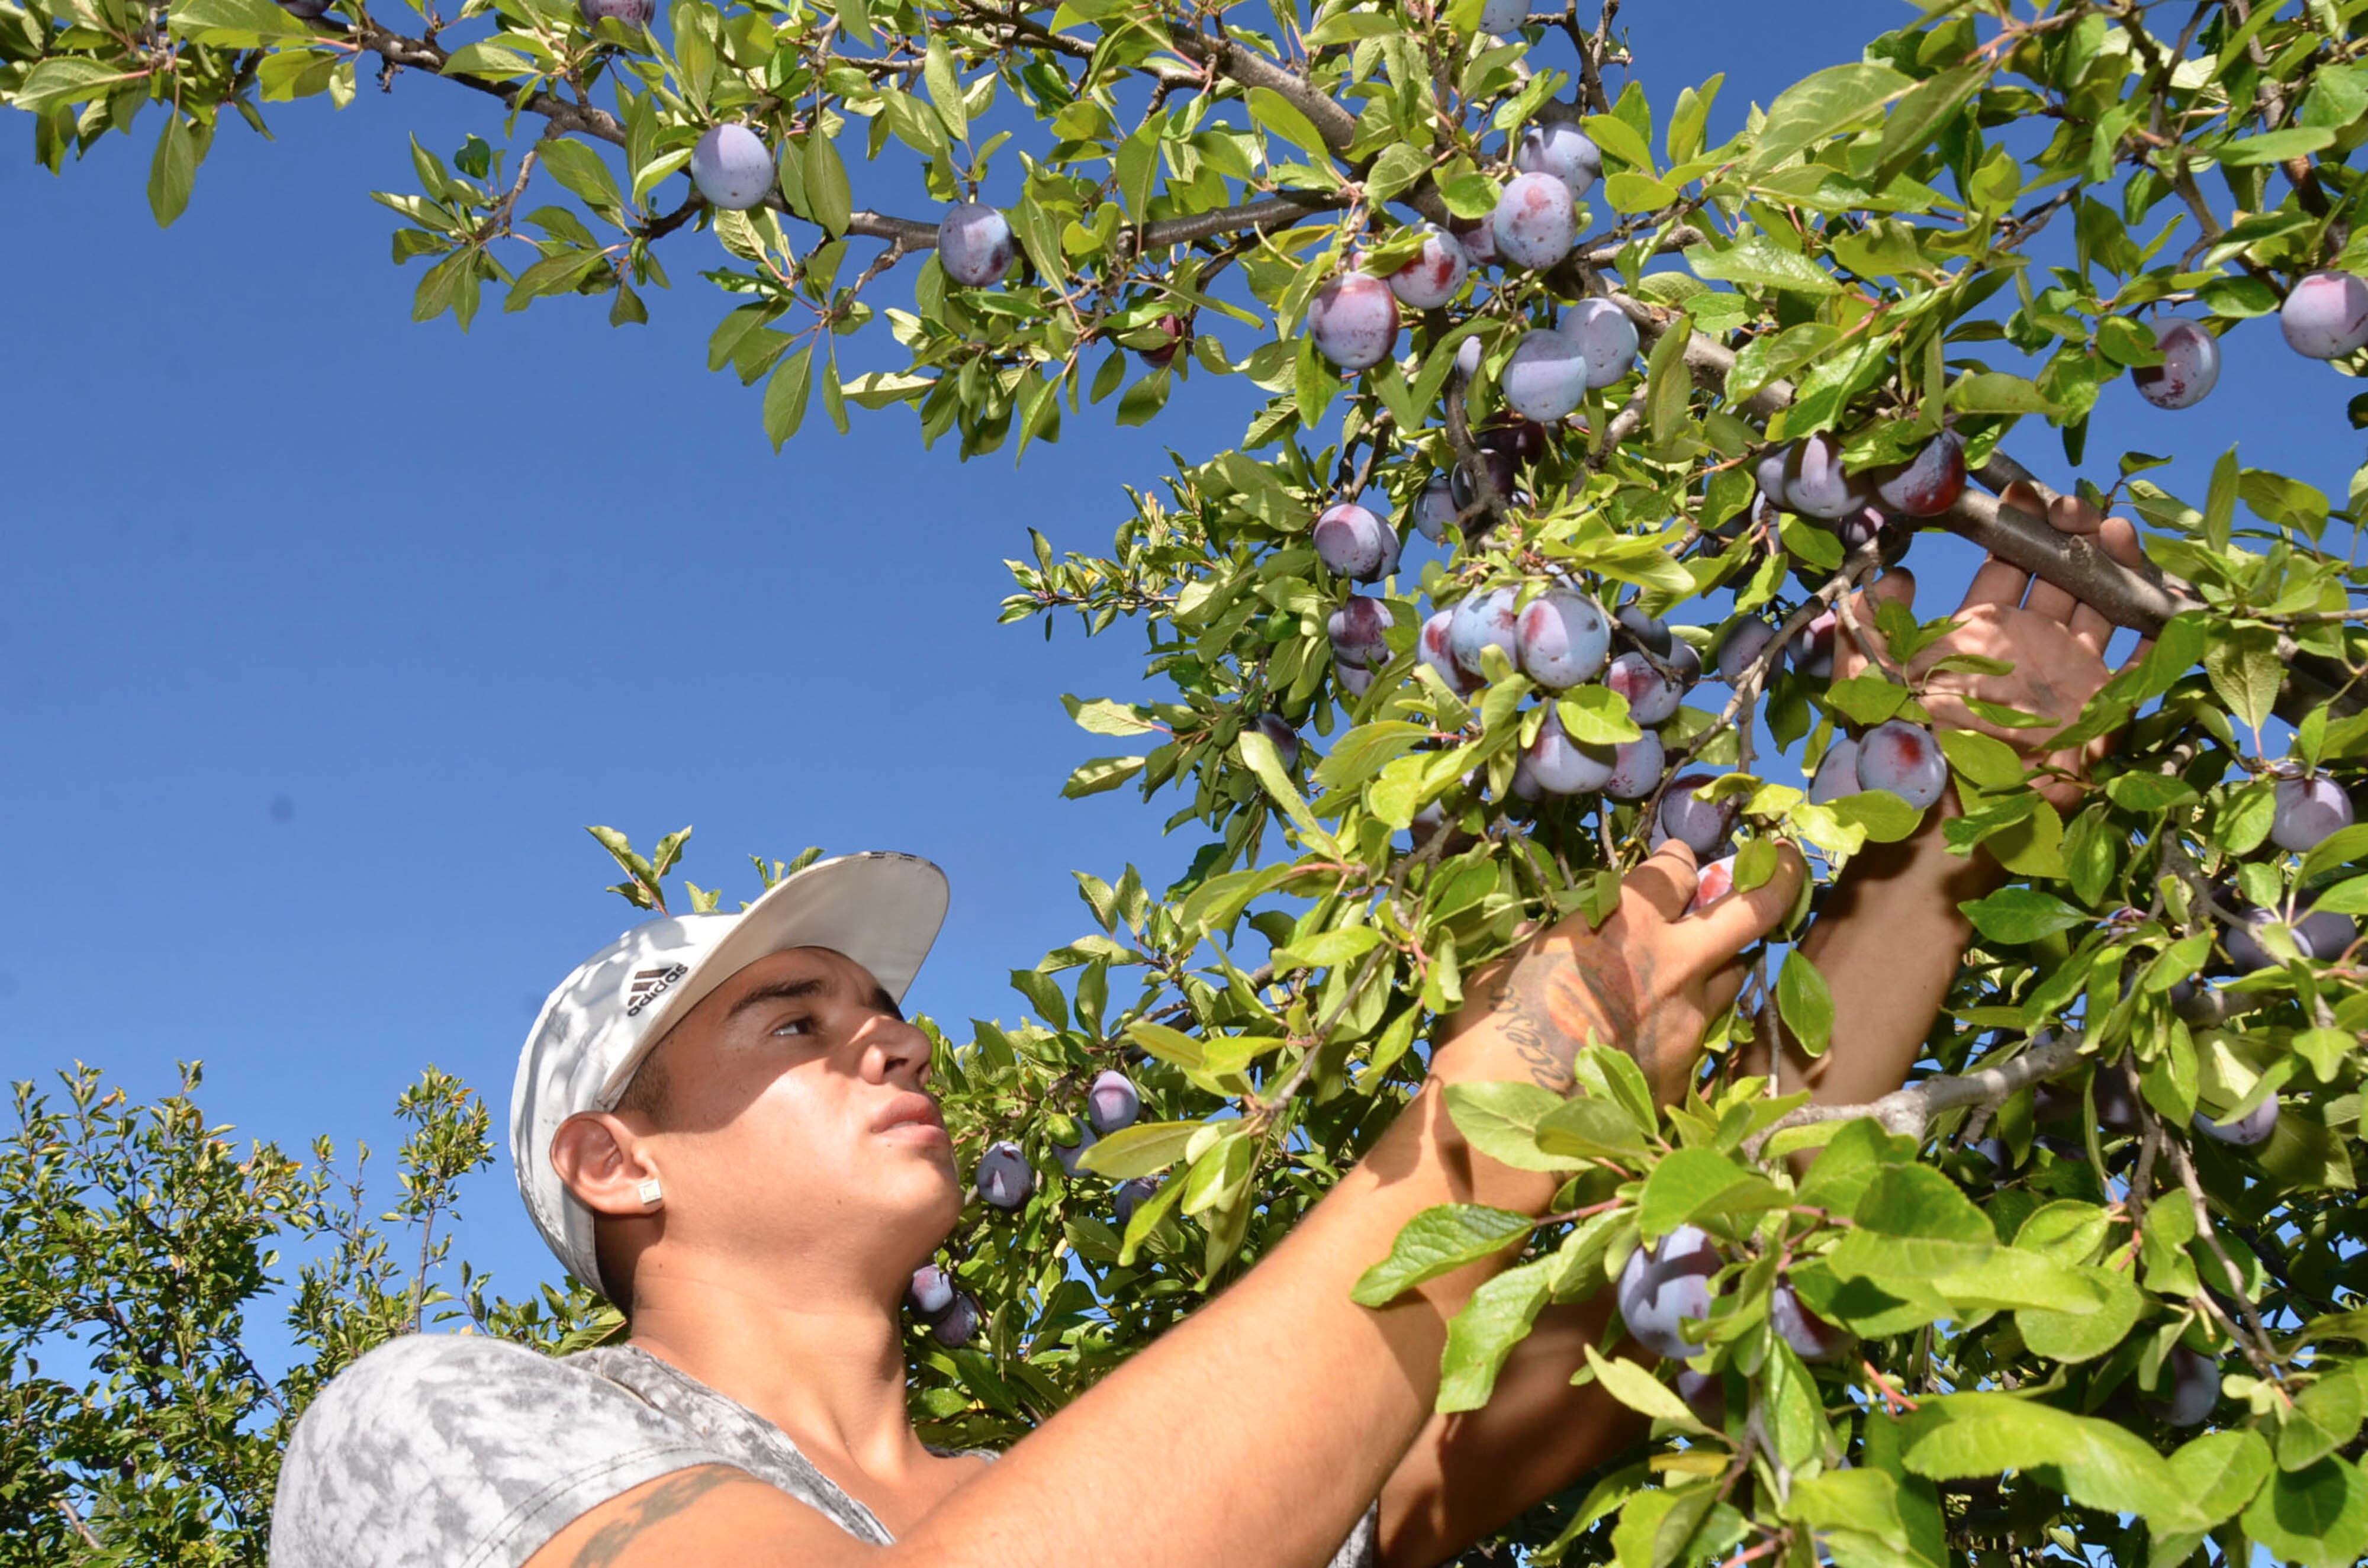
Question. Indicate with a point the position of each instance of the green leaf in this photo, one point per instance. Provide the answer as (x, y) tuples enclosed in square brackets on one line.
[(2246, 671), (2317, 1518), (173, 169), (1986, 760), (1958, 1435), (1805, 1003), (1103, 773), (1758, 261), (2325, 1416), (1480, 1336), (1438, 1241), (2089, 1331), (1141, 1150), (2276, 147), (1694, 1184), (829, 200), (584, 172), (937, 73), (259, 18), (2016, 915), (1810, 110), (1501, 1119), (1279, 115), (785, 395), (2219, 1473), (1910, 127), (1640, 1390), (1596, 716), (1865, 1501), (71, 79), (1994, 392)]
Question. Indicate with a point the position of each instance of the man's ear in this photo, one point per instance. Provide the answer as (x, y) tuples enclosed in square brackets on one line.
[(599, 1159)]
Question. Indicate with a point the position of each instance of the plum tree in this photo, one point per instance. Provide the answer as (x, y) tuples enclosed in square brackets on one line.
[(1663, 1286), (974, 244), (1355, 544), (1112, 1102), (2309, 812), (1005, 1177), (1561, 637), (1903, 759), (1562, 151), (2326, 316), (1938, 262), (2190, 368), (732, 167), (1354, 321), (1546, 377), (1435, 274), (1534, 224)]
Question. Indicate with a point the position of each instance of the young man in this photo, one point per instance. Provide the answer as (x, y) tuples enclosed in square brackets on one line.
[(722, 1121)]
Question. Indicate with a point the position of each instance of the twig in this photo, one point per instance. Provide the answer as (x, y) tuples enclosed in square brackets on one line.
[(1909, 1110)]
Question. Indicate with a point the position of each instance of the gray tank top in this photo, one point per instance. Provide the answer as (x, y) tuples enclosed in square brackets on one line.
[(445, 1450)]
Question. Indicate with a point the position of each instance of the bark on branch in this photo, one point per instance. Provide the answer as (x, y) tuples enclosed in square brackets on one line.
[(1909, 1110)]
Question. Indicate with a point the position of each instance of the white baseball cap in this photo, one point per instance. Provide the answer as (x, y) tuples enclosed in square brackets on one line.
[(880, 908)]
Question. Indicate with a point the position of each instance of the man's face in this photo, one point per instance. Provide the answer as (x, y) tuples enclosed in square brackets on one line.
[(795, 1131)]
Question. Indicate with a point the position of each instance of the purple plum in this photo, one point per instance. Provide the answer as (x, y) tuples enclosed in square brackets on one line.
[(1860, 529), (1561, 639), (1354, 320), (1706, 1395), (2115, 1099), (1557, 765), (1070, 1140), (1662, 1286), (2309, 811), (631, 13), (1502, 467), (957, 1324), (1650, 633), (1112, 1102), (2318, 935), (1353, 542), (1772, 471), (1359, 631), (732, 167), (1282, 736), (974, 244), (1814, 485), (1005, 1177), (1534, 221), (1546, 377), (1524, 785), (1355, 679), (1812, 648), (1605, 335), (2194, 1387), (1811, 1336), (1837, 773), (2326, 317), (1929, 483), (1434, 508), (1435, 275), (2190, 368), (1127, 1195), (1905, 759), (1744, 641), (1652, 696), (1178, 333), (2246, 1132), (1503, 17), (1478, 239), (1700, 825), (931, 1292), (1483, 620), (1435, 648), (1562, 151), (1635, 768)]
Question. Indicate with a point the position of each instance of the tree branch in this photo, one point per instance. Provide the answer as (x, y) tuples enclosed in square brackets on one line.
[(1908, 1111)]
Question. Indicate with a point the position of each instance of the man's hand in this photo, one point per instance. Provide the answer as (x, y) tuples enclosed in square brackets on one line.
[(2055, 644), (1647, 982)]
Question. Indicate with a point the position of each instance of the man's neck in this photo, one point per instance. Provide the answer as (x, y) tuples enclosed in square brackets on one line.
[(826, 1364)]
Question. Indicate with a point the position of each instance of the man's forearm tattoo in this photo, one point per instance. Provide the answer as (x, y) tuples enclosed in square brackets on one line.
[(662, 1501), (1560, 999)]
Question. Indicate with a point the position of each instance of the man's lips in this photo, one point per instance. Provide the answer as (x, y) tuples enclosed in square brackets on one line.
[(909, 1111)]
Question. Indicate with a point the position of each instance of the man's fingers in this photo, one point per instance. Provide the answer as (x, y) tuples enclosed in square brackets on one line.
[(2120, 538), (2090, 629), (1720, 990), (1997, 583), (2070, 514), (2045, 598), (1739, 919), (1666, 880)]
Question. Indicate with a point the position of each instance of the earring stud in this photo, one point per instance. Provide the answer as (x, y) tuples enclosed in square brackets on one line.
[(650, 1191)]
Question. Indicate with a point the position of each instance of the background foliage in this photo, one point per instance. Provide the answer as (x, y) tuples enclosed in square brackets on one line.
[(1973, 222)]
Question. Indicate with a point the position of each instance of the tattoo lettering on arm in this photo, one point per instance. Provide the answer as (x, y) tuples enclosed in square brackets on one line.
[(1564, 997), (669, 1497)]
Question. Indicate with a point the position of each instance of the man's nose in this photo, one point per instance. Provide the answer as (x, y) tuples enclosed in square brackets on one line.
[(897, 1051)]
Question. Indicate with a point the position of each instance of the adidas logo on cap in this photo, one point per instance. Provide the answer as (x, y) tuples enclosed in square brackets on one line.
[(649, 984)]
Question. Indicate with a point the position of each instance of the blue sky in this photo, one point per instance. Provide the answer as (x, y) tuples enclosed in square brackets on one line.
[(327, 633)]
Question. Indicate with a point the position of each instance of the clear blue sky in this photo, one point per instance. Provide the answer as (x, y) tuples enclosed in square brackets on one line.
[(326, 633)]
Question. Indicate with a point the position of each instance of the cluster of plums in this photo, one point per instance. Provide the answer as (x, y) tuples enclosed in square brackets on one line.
[(2309, 809), (1663, 1286), (951, 1315)]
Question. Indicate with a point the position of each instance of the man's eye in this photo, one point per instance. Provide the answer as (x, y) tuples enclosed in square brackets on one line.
[(795, 1026)]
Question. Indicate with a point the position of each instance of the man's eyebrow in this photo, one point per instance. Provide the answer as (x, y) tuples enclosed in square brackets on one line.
[(884, 1003), (781, 990)]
